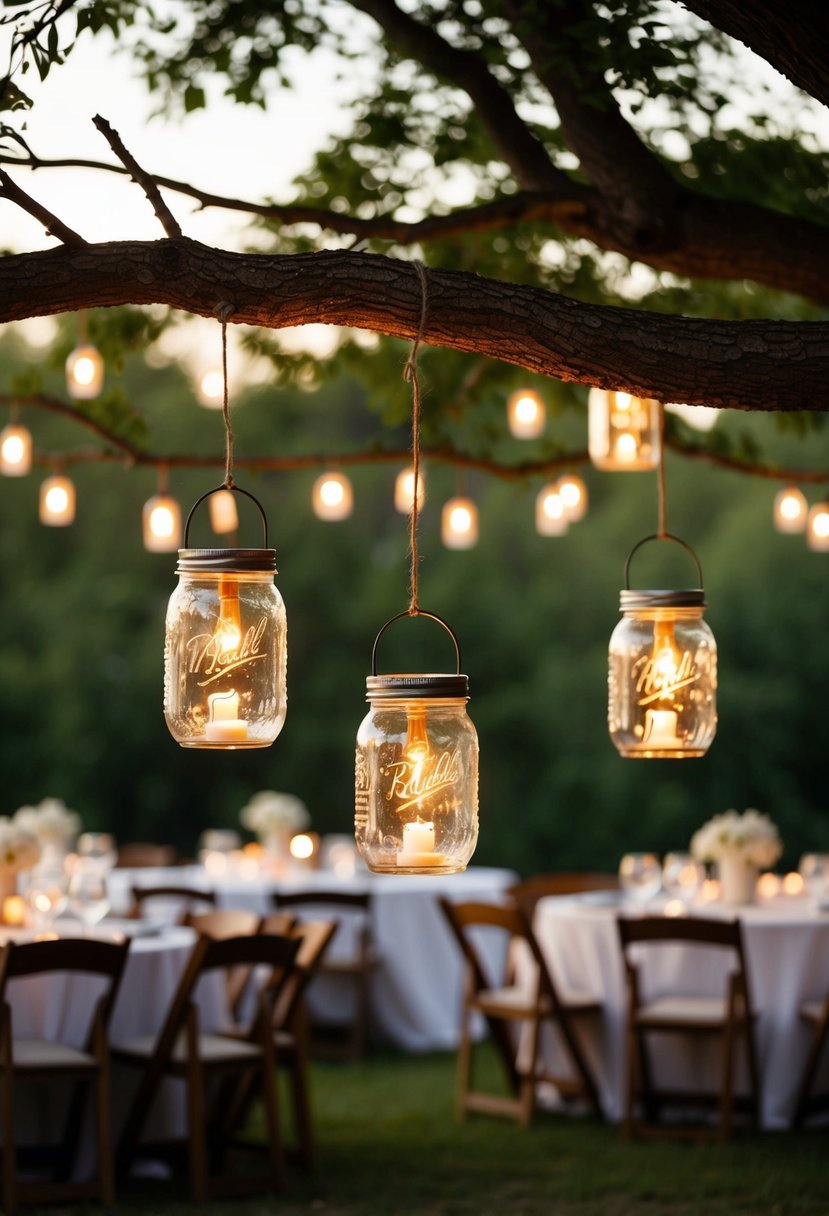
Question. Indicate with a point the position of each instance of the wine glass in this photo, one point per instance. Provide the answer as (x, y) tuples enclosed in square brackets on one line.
[(814, 870), (88, 897), (98, 850), (46, 893), (640, 876), (682, 877)]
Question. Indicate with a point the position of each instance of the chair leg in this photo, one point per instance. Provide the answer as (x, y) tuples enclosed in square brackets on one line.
[(631, 1076), (106, 1166), (526, 1098), (272, 1120), (302, 1096), (809, 1071), (727, 1091), (196, 1131), (464, 1081), (9, 1152)]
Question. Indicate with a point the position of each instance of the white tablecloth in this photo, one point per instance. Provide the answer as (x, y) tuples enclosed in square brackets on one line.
[(416, 989), (787, 947)]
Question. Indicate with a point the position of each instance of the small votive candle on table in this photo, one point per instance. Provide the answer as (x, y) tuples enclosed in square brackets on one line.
[(225, 725), (419, 846), (14, 910)]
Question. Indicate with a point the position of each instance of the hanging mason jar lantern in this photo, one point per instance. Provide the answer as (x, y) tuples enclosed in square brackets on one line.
[(416, 786), (662, 671), (623, 431), (790, 510), (225, 651), (15, 450)]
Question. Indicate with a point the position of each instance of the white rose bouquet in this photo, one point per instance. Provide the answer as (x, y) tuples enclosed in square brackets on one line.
[(19, 849), (271, 814), (50, 821), (751, 838)]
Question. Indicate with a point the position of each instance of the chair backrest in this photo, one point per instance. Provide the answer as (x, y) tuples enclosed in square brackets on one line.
[(182, 899), (562, 882), (514, 925), (356, 900), (356, 909), (140, 854), (86, 956), (658, 931), (226, 922)]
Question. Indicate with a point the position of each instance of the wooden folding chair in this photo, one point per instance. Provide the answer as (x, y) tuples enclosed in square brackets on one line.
[(290, 1026), (356, 968), (559, 882), (41, 1061), (727, 1017), (142, 854), (809, 1100), (182, 1050), (185, 901), (507, 1004)]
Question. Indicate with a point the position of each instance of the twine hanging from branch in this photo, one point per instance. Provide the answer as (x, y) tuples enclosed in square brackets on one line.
[(411, 377), (224, 312), (662, 526)]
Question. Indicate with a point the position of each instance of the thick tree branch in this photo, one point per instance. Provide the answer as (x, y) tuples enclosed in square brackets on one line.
[(749, 365), (792, 37), (54, 226), (165, 216)]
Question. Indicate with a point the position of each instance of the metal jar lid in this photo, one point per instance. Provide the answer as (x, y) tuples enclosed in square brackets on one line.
[(429, 685), (636, 600), (226, 561)]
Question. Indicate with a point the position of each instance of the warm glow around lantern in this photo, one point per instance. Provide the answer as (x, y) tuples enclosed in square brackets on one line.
[(210, 389), (623, 430), (526, 414), (223, 514), (57, 501), (817, 528), (459, 523), (404, 491), (15, 451), (573, 493), (84, 373), (790, 510), (550, 512), (332, 497), (161, 520)]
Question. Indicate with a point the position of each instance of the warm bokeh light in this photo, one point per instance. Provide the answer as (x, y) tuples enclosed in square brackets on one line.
[(57, 501), (550, 512), (404, 490), (210, 389), (793, 884), (768, 886), (224, 516), (459, 523), (332, 497), (817, 528), (573, 493), (623, 431), (302, 847), (15, 451), (161, 524), (790, 510), (526, 414), (84, 373)]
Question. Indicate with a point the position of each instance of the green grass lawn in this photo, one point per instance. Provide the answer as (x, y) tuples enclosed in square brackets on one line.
[(389, 1144)]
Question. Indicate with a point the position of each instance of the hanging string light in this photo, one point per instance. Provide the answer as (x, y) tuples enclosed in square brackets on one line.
[(57, 501), (332, 497), (790, 510), (551, 517), (84, 366), (161, 519), (224, 517), (624, 432), (526, 414), (817, 528), (225, 651), (662, 678), (459, 523), (573, 493), (404, 490), (210, 389), (15, 449), (416, 776)]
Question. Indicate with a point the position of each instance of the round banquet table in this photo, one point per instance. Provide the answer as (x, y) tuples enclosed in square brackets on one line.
[(416, 988), (786, 941)]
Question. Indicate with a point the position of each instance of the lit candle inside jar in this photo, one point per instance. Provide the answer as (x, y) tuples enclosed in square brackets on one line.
[(225, 725), (419, 846), (14, 910), (660, 729)]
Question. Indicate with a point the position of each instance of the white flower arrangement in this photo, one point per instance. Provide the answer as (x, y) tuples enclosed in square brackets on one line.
[(268, 814), (750, 837), (19, 849), (50, 821)]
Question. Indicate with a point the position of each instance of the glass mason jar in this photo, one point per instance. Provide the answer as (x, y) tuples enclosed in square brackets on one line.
[(416, 779), (623, 431), (662, 676), (225, 651)]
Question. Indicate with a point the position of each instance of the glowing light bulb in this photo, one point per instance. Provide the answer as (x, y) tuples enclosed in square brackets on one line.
[(210, 389), (817, 528), (459, 523), (161, 524), (302, 847), (626, 447), (84, 373), (15, 451), (550, 512), (404, 491), (332, 497), (229, 629), (573, 493), (57, 501), (790, 510), (223, 514), (526, 414)]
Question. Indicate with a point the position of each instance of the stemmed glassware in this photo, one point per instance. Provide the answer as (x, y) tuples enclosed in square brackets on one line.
[(46, 893), (88, 896), (97, 850), (640, 876), (814, 870), (682, 877)]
